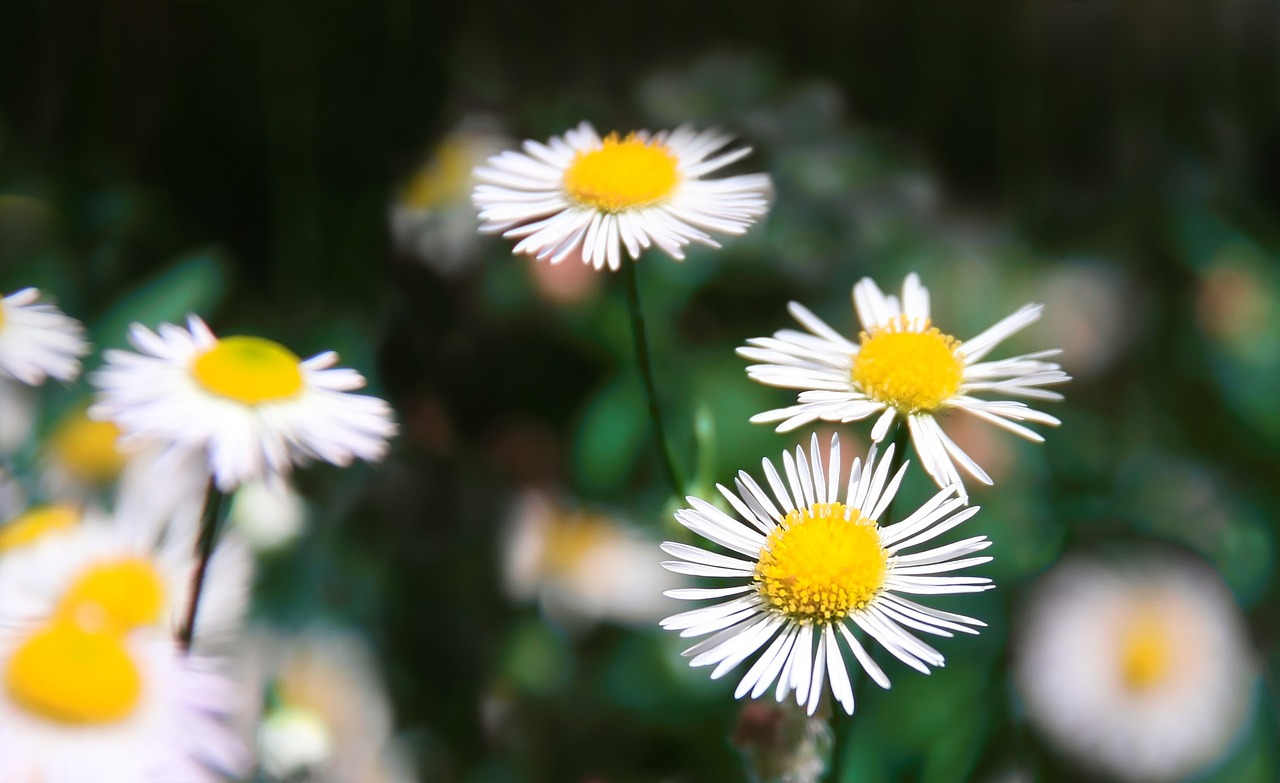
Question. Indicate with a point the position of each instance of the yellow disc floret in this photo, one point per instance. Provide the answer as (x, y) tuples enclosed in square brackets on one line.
[(116, 594), (87, 449), (622, 174), (71, 675), (1144, 655), (822, 563), (32, 525), (444, 180), (251, 370), (912, 371)]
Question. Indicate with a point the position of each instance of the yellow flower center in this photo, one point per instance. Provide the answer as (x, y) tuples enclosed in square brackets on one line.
[(914, 372), (622, 174), (71, 675), (87, 449), (572, 538), (249, 370), (31, 526), (442, 181), (119, 594), (1144, 655), (822, 563)]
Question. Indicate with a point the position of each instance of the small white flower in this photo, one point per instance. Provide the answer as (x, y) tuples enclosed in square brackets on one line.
[(37, 340), (87, 704), (902, 366), (810, 565), (1141, 670), (249, 404), (127, 571), (267, 515), (583, 196)]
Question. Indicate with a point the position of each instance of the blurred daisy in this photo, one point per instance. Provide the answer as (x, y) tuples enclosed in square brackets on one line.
[(249, 404), (267, 515), (432, 217), (81, 702), (1141, 670), (128, 575), (37, 340), (83, 453), (902, 366), (582, 567), (327, 718), (811, 565), (17, 415), (581, 195)]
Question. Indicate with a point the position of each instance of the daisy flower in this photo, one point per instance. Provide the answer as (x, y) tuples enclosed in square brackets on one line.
[(581, 195), (1140, 670), (82, 702), (806, 565), (249, 404), (58, 561), (903, 366), (37, 340)]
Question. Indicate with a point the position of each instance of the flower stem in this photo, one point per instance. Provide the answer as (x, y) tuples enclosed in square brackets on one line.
[(901, 440), (646, 373), (213, 502)]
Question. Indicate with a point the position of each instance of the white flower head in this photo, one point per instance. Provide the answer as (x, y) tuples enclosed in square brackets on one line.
[(37, 340), (249, 404), (584, 196), (806, 565), (84, 703), (1140, 670), (903, 366)]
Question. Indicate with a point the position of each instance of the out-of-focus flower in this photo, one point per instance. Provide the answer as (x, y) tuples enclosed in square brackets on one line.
[(248, 404), (37, 340), (17, 415), (811, 565), (82, 702), (1140, 670), (581, 195), (83, 452), (123, 572), (1090, 313), (902, 366), (781, 743), (582, 567), (564, 283), (326, 718), (1238, 305), (268, 516), (432, 217)]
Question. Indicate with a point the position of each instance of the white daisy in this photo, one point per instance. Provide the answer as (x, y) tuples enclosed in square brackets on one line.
[(1141, 669), (812, 565), (249, 404), (583, 195), (133, 573), (84, 703), (902, 366), (37, 340)]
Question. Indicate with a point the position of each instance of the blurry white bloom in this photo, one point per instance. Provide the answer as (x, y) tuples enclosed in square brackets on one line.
[(328, 719), (82, 455), (811, 565), (268, 516), (124, 572), (17, 415), (249, 404), (432, 217), (80, 702), (37, 340), (1090, 311), (583, 196), (902, 366), (1141, 670), (581, 567)]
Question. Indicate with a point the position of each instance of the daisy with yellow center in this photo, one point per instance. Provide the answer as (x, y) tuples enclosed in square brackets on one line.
[(903, 367), (806, 565), (81, 702), (38, 341), (588, 197), (1141, 670), (118, 574), (250, 405)]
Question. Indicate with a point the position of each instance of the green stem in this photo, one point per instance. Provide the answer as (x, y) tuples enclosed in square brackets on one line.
[(213, 502), (646, 373), (901, 440)]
